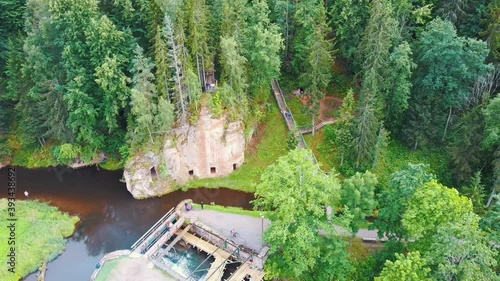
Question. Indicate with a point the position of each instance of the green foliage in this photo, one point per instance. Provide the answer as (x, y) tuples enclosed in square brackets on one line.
[(433, 205), (490, 33), (348, 19), (409, 268), (66, 153), (40, 229), (447, 67), (476, 193), (298, 191), (233, 67), (365, 134), (394, 199), (492, 123), (461, 251), (397, 92), (358, 197), (262, 46), (490, 223), (292, 140), (216, 105)]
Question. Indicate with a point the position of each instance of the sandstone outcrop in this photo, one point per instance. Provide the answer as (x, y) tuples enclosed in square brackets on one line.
[(213, 148)]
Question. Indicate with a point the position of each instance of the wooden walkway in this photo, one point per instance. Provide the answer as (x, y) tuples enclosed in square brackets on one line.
[(317, 127), (246, 270), (205, 246), (287, 114), (221, 257), (177, 239), (216, 270)]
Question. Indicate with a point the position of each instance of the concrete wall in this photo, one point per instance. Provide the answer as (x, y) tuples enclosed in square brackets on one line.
[(244, 252)]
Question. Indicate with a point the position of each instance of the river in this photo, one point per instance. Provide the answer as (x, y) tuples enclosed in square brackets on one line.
[(111, 219)]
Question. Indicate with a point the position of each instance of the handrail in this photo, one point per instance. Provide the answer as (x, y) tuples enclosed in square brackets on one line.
[(151, 230), (302, 141)]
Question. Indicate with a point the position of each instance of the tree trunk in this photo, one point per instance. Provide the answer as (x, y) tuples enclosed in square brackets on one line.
[(198, 70), (491, 197), (446, 127), (150, 136)]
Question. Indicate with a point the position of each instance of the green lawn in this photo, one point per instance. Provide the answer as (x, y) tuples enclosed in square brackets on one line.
[(232, 210), (272, 145), (324, 154), (301, 118), (40, 230)]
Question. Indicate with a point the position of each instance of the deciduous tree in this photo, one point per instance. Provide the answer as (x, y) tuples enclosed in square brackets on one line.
[(409, 267), (298, 192), (433, 205)]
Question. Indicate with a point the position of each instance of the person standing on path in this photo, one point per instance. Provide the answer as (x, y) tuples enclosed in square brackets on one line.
[(201, 205)]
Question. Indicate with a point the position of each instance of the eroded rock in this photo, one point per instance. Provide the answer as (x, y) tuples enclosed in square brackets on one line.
[(213, 148)]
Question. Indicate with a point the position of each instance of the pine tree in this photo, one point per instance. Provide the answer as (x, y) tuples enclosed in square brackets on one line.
[(365, 132), (262, 47), (175, 55)]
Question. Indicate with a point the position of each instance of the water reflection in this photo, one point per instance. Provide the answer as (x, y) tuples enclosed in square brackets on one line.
[(110, 218)]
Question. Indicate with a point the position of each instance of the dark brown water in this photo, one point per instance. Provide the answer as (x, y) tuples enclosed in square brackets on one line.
[(111, 219)]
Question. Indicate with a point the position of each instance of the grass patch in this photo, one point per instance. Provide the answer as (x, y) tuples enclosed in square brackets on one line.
[(360, 250), (271, 146), (324, 154), (112, 164), (40, 232), (398, 156), (232, 210), (302, 119)]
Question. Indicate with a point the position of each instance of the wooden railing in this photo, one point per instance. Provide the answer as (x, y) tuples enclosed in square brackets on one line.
[(290, 121)]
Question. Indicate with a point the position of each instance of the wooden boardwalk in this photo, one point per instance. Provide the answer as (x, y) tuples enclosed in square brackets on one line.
[(221, 257), (317, 127), (246, 270), (216, 270), (177, 239), (205, 246), (287, 114)]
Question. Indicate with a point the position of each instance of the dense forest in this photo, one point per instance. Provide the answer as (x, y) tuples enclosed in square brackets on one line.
[(81, 77)]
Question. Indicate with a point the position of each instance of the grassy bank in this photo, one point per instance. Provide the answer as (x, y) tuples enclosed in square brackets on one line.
[(232, 210), (39, 234), (268, 143)]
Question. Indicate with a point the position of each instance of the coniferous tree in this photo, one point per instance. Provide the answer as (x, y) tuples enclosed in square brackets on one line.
[(175, 55), (262, 47), (233, 67)]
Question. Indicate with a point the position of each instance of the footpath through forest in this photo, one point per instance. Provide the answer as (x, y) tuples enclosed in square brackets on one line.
[(250, 229)]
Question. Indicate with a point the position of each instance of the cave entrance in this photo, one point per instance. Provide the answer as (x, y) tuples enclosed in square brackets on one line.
[(213, 170), (234, 166), (191, 172), (153, 172)]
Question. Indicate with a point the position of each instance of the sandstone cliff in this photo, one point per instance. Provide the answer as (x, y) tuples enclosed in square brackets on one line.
[(212, 148)]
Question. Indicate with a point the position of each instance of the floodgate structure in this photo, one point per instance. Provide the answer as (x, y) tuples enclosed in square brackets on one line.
[(221, 254)]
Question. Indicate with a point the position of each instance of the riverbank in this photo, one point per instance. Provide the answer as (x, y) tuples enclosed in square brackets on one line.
[(39, 234)]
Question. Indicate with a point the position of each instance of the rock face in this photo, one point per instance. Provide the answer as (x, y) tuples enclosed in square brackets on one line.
[(212, 148)]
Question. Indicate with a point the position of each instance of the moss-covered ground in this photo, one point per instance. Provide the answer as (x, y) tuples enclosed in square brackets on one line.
[(39, 234)]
